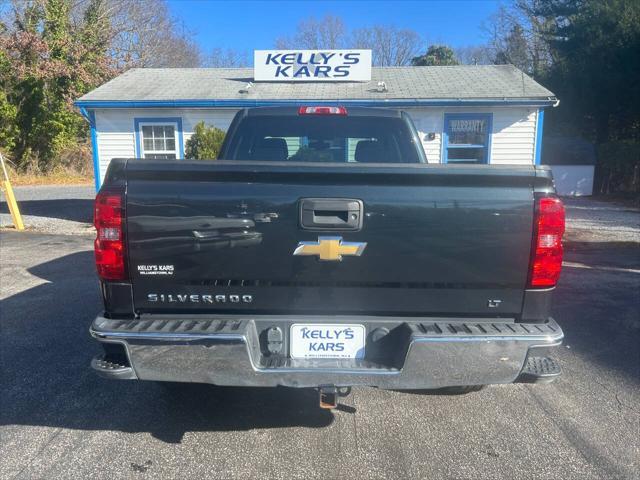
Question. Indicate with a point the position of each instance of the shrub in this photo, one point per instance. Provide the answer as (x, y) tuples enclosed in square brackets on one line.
[(76, 159), (205, 143), (8, 130)]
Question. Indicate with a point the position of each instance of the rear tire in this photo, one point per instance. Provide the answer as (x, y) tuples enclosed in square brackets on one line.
[(172, 386), (183, 388), (457, 390)]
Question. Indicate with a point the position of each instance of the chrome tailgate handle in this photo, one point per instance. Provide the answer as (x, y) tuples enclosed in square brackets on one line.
[(330, 214)]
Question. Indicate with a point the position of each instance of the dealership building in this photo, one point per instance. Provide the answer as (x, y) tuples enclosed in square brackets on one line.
[(488, 114)]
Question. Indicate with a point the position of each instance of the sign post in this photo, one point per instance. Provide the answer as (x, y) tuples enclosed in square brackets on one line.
[(312, 65), (11, 199)]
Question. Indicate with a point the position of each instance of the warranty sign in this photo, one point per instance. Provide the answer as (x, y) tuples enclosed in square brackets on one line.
[(312, 65)]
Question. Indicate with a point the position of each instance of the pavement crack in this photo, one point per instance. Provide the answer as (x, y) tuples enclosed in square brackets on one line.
[(355, 425), (53, 436), (582, 444), (622, 405)]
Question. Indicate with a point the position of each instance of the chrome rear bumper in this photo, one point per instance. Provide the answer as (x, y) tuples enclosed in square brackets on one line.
[(225, 350)]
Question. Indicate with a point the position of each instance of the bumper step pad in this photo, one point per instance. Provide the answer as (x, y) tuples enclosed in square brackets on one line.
[(539, 370), (111, 368)]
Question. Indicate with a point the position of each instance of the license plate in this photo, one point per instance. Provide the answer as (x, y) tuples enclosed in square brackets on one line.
[(327, 341)]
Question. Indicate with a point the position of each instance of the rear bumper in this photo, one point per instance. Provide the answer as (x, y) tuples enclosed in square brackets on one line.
[(226, 351)]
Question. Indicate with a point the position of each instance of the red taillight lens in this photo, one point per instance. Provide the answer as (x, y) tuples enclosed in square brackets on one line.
[(322, 111), (546, 261), (108, 219)]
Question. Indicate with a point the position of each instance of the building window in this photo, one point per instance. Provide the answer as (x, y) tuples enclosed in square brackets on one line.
[(159, 141), (467, 138), (158, 138)]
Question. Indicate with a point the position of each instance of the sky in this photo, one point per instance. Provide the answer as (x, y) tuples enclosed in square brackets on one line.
[(253, 25)]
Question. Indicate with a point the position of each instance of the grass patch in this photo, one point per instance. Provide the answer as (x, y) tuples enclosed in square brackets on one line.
[(74, 166), (59, 177)]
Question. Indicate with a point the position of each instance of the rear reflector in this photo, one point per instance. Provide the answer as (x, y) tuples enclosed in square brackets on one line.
[(546, 261), (322, 111), (109, 246)]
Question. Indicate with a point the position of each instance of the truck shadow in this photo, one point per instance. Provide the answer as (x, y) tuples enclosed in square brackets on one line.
[(46, 379), (597, 304), (75, 209), (209, 408)]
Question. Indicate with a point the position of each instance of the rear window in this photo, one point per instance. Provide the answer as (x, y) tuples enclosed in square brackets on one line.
[(323, 138)]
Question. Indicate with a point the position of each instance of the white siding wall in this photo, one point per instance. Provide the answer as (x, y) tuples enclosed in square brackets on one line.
[(115, 134), (512, 137), (429, 120)]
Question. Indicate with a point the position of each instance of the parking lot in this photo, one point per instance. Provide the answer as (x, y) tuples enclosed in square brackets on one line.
[(59, 420)]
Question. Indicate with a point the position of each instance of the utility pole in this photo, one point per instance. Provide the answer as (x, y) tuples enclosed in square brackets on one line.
[(5, 184)]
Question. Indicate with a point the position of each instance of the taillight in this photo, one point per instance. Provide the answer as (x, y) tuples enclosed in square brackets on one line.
[(546, 260), (108, 219), (322, 111)]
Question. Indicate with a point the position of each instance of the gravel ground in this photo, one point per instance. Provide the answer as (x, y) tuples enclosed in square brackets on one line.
[(597, 221), (61, 209)]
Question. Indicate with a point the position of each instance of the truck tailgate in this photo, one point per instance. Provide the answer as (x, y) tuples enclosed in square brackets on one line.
[(440, 239)]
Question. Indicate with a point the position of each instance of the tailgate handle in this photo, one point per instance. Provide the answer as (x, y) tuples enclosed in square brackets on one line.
[(330, 214)]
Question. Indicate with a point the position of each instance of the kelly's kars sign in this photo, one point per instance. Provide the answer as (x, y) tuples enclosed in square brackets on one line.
[(312, 65)]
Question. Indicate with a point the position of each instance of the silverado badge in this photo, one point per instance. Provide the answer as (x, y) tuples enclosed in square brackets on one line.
[(330, 248)]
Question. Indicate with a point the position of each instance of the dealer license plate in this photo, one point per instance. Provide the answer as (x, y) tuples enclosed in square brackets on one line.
[(327, 341)]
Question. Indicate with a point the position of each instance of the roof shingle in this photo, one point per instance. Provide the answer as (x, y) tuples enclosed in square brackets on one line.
[(482, 82)]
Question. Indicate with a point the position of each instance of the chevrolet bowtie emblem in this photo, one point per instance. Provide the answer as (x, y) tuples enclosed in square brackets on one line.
[(330, 248)]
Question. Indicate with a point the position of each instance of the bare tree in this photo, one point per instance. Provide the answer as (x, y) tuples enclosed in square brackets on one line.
[(327, 33), (144, 34), (139, 33), (229, 58), (515, 35), (475, 55), (390, 46)]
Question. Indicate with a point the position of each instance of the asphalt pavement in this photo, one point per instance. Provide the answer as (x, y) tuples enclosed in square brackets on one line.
[(59, 420)]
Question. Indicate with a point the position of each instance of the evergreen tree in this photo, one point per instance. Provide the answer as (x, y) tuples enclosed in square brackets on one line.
[(436, 55)]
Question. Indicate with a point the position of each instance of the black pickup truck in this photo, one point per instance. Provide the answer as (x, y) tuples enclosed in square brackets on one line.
[(321, 250)]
